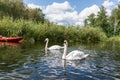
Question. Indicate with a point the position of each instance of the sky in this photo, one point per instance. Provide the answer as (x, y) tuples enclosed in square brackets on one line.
[(70, 12)]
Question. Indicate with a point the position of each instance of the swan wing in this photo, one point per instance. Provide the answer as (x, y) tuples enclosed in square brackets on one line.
[(55, 47), (76, 55)]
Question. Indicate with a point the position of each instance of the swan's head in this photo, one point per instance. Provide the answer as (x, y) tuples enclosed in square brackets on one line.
[(46, 40), (65, 42)]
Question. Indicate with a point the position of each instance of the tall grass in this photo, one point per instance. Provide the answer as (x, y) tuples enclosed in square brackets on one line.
[(114, 39), (91, 34), (56, 33)]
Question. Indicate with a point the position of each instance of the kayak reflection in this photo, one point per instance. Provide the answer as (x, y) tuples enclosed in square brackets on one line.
[(10, 44)]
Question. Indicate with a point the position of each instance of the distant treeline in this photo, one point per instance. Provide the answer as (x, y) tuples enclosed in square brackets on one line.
[(109, 24)]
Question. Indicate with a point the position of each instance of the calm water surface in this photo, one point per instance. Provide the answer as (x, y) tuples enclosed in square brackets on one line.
[(29, 63)]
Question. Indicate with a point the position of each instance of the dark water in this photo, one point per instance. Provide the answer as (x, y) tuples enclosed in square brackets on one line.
[(29, 63)]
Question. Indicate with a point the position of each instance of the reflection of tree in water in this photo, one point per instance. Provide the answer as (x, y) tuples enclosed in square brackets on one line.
[(10, 58)]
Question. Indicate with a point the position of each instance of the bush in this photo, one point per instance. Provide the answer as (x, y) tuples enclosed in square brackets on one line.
[(93, 35), (115, 38), (56, 33)]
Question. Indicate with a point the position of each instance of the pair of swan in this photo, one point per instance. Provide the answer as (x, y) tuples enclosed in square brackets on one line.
[(73, 55)]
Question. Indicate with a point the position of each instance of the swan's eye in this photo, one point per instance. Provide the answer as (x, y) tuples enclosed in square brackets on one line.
[(46, 39), (65, 42)]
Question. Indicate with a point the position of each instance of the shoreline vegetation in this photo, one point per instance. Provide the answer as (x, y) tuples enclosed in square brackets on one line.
[(19, 20), (56, 33)]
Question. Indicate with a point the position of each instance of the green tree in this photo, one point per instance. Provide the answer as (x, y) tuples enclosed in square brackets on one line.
[(85, 22), (102, 20), (91, 20), (36, 15), (115, 20), (17, 9)]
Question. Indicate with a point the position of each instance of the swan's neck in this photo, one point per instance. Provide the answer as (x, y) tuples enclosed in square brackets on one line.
[(46, 47), (65, 52)]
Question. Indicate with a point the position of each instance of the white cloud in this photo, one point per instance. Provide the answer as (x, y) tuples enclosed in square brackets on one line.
[(118, 0), (61, 13), (32, 6), (86, 12), (56, 8), (64, 13), (108, 5)]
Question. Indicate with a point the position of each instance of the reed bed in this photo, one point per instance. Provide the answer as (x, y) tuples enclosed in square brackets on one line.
[(56, 33)]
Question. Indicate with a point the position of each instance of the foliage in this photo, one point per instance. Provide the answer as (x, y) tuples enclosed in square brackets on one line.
[(109, 24), (115, 38), (7, 53), (8, 27), (56, 33), (90, 20), (92, 34), (115, 20), (16, 19), (17, 9)]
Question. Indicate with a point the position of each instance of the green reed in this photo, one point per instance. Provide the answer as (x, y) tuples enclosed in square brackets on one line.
[(56, 33)]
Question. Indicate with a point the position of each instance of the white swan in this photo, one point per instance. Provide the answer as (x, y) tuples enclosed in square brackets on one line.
[(74, 55), (54, 47)]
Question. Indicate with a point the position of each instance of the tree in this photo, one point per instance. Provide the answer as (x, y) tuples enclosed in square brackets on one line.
[(36, 15), (91, 19), (102, 20), (115, 20), (85, 22), (17, 9)]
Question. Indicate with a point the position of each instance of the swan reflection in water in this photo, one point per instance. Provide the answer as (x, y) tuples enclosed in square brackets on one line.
[(75, 63), (56, 53), (65, 65), (64, 69), (54, 60), (52, 66)]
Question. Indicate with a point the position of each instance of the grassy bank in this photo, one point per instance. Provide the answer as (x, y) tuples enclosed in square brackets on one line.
[(56, 33), (114, 38)]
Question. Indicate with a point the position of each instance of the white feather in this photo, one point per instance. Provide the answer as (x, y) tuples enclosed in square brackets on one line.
[(73, 55), (55, 47)]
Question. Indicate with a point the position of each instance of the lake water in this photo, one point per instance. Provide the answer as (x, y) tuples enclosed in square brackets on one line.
[(27, 62)]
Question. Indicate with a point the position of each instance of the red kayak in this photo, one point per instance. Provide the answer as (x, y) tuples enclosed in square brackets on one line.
[(10, 39)]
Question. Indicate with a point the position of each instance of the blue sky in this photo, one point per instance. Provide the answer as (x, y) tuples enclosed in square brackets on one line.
[(70, 11)]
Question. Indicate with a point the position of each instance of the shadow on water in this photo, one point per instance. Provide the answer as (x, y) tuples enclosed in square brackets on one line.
[(29, 63), (10, 58)]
